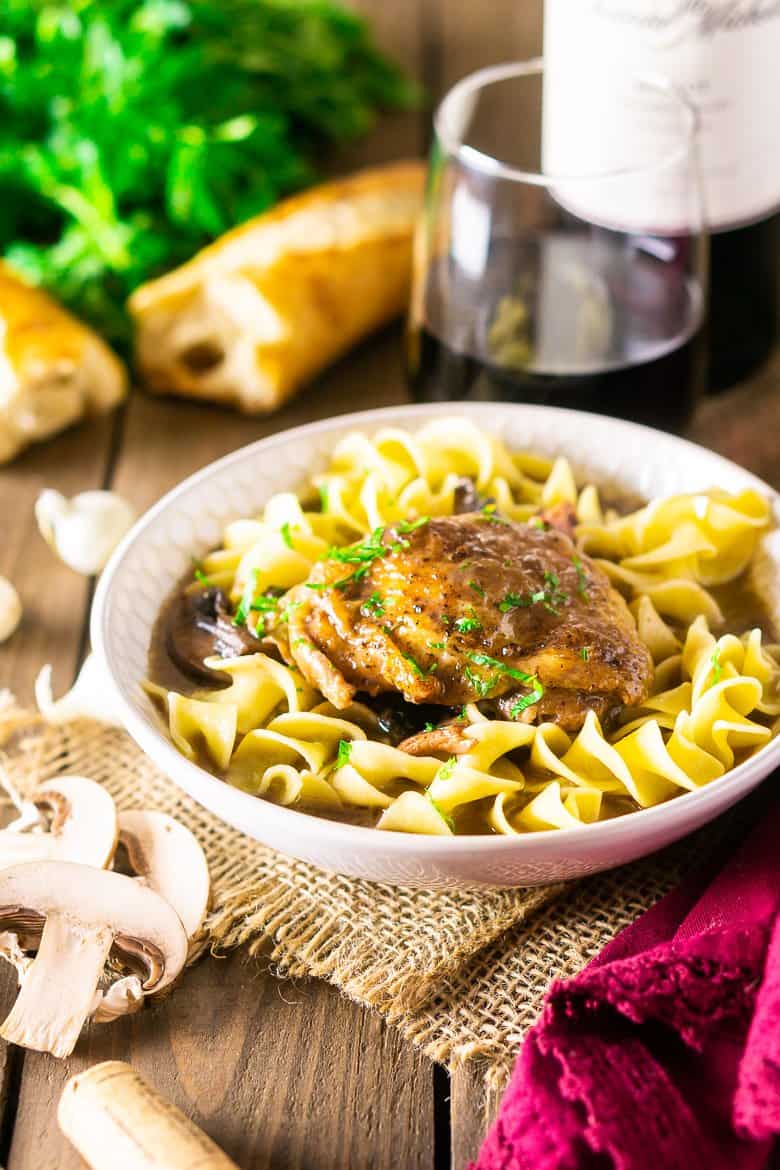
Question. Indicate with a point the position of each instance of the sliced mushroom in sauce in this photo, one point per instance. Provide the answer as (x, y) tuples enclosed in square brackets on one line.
[(200, 626)]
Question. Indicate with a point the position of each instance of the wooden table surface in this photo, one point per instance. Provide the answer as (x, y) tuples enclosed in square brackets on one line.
[(281, 1074)]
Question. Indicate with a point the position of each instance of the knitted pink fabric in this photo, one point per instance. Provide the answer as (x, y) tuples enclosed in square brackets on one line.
[(664, 1053)]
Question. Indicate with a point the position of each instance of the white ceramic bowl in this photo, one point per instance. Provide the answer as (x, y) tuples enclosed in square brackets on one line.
[(189, 521)]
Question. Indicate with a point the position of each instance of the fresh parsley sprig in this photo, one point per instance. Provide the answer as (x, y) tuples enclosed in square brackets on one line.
[(132, 133)]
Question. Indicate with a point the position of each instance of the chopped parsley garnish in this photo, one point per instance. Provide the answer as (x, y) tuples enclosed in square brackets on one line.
[(345, 752), (463, 713), (526, 701), (373, 606), (554, 596), (356, 554), (289, 609), (551, 597), (488, 512), (466, 625), (429, 727), (323, 490), (537, 522), (584, 654), (449, 822), (420, 671), (265, 603), (247, 598), (301, 642), (363, 555), (286, 532), (446, 770), (201, 576), (358, 575), (437, 645), (410, 525), (582, 580), (477, 588), (717, 669), (514, 601), (485, 660), (483, 686)]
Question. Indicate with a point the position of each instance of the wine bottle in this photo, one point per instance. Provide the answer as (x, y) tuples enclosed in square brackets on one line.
[(725, 57)]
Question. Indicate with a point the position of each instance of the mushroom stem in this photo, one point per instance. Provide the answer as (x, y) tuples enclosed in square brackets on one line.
[(58, 991)]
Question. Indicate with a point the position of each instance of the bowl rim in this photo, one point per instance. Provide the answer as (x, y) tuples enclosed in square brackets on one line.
[(154, 742)]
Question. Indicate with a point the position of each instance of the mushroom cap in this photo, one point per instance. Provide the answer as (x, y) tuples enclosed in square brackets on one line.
[(168, 858), (146, 928), (83, 819), (83, 826)]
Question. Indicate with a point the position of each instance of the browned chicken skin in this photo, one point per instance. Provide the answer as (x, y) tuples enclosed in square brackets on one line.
[(470, 607)]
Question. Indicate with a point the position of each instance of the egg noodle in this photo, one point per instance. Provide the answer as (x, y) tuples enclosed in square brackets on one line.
[(714, 700)]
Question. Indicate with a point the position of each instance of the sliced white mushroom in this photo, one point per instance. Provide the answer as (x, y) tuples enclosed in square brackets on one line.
[(166, 857), (82, 826), (77, 916), (10, 609), (122, 998), (11, 951), (88, 698), (85, 530)]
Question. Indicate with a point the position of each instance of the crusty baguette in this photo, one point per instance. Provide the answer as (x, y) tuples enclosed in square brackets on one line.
[(254, 315), (53, 368)]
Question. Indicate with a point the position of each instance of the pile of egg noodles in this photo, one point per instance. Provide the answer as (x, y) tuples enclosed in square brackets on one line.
[(714, 701)]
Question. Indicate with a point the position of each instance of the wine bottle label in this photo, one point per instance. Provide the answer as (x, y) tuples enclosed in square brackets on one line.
[(602, 112)]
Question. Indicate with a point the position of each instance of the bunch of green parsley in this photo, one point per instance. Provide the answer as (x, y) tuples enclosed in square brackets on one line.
[(131, 133)]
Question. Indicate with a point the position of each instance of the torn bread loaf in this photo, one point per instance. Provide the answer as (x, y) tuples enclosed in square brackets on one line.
[(53, 368), (260, 311)]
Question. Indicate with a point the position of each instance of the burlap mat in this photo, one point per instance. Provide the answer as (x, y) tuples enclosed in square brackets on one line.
[(461, 974)]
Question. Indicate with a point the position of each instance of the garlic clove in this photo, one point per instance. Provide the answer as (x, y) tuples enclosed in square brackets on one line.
[(88, 698), (49, 507), (10, 609), (85, 530)]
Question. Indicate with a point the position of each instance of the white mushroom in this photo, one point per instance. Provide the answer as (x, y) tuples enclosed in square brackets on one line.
[(82, 827), (10, 609), (78, 916), (88, 698), (166, 857), (85, 530), (123, 998)]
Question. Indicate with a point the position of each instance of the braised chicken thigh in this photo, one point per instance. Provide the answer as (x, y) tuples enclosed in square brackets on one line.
[(471, 607)]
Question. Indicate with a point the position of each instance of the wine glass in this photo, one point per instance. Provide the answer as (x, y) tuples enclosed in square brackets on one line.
[(553, 262)]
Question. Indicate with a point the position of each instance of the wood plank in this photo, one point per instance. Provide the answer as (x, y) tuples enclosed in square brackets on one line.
[(744, 423), (473, 1110), (167, 439), (282, 1075), (468, 36), (397, 27)]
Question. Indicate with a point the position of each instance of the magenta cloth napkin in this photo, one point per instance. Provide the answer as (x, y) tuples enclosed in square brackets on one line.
[(663, 1053)]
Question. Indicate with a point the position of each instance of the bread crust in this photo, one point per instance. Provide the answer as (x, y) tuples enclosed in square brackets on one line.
[(54, 369), (272, 302)]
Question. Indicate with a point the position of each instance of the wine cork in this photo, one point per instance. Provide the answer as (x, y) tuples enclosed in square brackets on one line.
[(118, 1122)]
